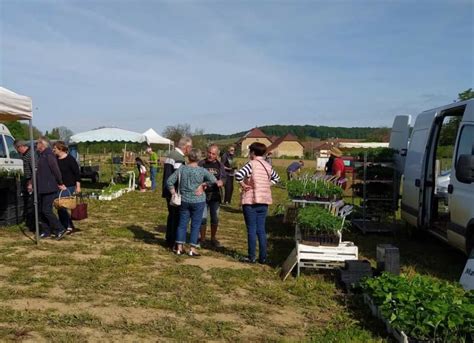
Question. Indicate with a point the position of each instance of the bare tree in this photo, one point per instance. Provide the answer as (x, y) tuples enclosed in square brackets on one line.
[(177, 131)]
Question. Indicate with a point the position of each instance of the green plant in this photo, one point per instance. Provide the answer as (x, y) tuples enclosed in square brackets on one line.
[(423, 307), (373, 154), (318, 220), (306, 186)]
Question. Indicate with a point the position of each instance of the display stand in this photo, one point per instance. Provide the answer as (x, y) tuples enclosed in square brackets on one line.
[(386, 201)]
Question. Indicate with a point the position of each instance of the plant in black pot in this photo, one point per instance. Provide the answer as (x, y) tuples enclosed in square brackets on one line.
[(318, 226)]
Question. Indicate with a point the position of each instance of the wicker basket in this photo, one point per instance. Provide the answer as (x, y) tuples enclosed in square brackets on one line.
[(68, 202)]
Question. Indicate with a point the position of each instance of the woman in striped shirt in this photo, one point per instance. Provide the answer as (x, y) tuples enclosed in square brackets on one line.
[(256, 178)]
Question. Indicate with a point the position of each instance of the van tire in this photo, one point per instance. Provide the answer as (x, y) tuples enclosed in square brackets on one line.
[(469, 239)]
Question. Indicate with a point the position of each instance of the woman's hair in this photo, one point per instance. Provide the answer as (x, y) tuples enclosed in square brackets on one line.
[(194, 155), (258, 149), (61, 146)]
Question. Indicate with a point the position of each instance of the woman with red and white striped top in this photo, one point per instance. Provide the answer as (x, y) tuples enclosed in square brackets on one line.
[(256, 178)]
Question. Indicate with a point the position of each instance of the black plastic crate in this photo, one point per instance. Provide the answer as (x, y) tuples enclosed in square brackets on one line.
[(355, 265)]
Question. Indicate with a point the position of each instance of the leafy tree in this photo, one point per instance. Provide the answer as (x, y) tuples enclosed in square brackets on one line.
[(54, 134), (21, 130)]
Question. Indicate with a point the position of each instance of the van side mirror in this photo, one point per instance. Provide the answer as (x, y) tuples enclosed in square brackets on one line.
[(465, 168)]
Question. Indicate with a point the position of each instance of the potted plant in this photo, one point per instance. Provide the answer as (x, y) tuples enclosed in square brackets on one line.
[(318, 226)]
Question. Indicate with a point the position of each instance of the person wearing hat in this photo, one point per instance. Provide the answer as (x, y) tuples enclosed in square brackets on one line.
[(338, 167)]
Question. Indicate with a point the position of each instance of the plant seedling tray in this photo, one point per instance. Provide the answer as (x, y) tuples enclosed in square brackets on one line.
[(399, 336)]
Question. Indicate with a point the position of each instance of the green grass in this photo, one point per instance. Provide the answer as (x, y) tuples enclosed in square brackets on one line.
[(114, 278)]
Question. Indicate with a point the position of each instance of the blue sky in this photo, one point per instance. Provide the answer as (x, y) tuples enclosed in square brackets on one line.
[(227, 66)]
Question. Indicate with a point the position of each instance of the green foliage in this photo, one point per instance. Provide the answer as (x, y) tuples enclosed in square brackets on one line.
[(318, 220), (311, 131), (22, 130), (373, 154), (423, 307), (307, 187), (466, 95)]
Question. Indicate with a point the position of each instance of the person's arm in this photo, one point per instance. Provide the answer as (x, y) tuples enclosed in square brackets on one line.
[(209, 178), (53, 165), (244, 173), (222, 175), (170, 182), (338, 168), (275, 178), (76, 172)]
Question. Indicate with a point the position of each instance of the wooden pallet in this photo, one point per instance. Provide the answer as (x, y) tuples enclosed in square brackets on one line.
[(324, 257)]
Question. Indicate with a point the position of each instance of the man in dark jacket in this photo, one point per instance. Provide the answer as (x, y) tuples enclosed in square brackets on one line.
[(213, 194), (27, 185), (175, 160), (49, 182)]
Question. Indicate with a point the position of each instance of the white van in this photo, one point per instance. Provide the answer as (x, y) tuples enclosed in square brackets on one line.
[(449, 214), (10, 159)]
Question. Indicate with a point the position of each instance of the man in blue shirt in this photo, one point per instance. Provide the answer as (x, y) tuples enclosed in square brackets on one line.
[(294, 168)]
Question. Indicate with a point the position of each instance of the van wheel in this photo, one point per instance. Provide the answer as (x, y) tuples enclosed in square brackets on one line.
[(469, 240)]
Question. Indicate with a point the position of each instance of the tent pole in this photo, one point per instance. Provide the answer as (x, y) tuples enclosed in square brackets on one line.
[(35, 188)]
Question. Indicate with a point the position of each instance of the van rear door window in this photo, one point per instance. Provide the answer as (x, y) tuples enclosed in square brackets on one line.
[(466, 141), (3, 151), (11, 147)]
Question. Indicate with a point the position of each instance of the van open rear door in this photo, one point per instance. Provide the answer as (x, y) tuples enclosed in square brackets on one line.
[(413, 184), (399, 140)]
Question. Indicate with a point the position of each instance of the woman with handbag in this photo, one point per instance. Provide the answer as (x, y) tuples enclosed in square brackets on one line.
[(71, 178), (256, 178), (190, 197)]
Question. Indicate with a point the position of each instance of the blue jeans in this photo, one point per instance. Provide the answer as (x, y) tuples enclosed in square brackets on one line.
[(153, 177), (186, 211), (63, 213), (213, 208), (255, 216)]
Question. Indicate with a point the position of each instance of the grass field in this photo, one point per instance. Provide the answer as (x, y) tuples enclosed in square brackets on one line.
[(114, 280)]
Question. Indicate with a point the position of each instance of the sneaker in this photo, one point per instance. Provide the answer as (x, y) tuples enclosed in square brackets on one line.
[(215, 243), (69, 230), (44, 235), (248, 260), (194, 254), (60, 235)]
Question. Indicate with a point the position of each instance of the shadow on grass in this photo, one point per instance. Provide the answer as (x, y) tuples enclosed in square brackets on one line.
[(419, 252), (228, 209), (146, 236)]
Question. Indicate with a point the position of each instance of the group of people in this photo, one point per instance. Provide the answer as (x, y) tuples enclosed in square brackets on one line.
[(199, 183), (57, 174)]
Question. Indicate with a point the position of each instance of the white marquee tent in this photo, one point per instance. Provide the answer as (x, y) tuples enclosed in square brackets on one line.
[(19, 107), (109, 134)]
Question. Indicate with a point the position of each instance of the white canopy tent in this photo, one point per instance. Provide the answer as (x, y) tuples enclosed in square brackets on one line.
[(19, 107), (155, 138), (108, 134)]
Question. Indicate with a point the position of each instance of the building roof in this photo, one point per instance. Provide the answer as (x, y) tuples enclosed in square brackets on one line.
[(286, 138), (254, 133)]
